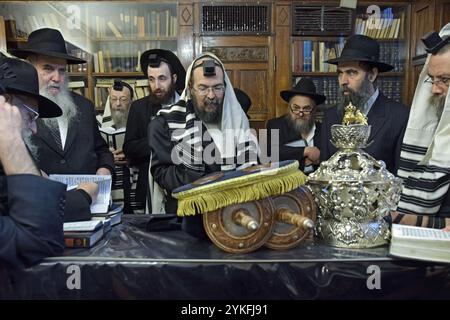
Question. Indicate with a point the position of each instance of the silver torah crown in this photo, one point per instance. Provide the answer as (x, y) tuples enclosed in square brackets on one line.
[(354, 192)]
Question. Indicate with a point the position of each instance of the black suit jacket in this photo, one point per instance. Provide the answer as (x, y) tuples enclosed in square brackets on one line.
[(388, 120), (136, 147), (85, 150), (31, 225), (287, 135)]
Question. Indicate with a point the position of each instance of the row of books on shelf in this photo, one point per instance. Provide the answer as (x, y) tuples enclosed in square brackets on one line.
[(79, 53), (391, 87), (310, 56), (132, 24), (122, 56), (385, 26)]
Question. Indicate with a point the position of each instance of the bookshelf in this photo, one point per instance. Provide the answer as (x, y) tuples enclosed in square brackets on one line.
[(310, 47), (111, 36)]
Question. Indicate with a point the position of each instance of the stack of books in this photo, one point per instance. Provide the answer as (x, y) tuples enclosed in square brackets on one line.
[(85, 234)]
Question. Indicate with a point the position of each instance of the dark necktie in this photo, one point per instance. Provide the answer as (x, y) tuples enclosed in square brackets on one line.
[(54, 130)]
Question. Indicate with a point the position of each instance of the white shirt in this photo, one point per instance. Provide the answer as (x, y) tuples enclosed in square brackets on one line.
[(368, 105)]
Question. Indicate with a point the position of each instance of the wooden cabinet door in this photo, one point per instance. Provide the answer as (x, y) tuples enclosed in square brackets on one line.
[(422, 22), (249, 63)]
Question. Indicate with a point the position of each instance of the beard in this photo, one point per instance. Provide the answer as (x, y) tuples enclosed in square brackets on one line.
[(165, 99), (65, 102), (119, 118), (32, 148), (213, 116), (357, 98), (437, 102), (299, 126)]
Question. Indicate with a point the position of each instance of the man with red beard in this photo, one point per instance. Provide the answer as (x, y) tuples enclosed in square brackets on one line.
[(425, 156), (166, 76), (205, 131), (299, 135), (358, 68)]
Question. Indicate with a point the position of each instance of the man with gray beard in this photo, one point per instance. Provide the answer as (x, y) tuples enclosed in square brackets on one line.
[(425, 156), (299, 135), (357, 69), (71, 143)]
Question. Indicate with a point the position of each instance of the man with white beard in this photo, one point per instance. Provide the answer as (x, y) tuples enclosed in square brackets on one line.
[(299, 136), (114, 121), (31, 207), (425, 156), (358, 68), (116, 113), (70, 144)]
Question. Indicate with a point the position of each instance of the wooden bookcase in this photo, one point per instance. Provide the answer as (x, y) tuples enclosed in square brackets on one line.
[(110, 35), (323, 37)]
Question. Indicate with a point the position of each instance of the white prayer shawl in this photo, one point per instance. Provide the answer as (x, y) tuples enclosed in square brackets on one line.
[(233, 134), (425, 155)]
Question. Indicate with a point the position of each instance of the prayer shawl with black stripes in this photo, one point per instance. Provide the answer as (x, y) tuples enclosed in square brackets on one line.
[(236, 145), (425, 155)]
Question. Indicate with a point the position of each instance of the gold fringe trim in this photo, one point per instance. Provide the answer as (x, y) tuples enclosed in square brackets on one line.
[(242, 189)]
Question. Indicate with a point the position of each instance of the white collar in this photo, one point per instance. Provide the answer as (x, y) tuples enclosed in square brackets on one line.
[(368, 105), (310, 137)]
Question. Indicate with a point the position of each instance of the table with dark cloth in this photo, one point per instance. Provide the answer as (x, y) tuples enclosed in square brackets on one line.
[(132, 263)]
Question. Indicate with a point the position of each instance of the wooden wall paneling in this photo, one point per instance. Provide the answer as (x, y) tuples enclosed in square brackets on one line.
[(186, 45), (442, 14), (248, 62), (282, 45), (422, 22)]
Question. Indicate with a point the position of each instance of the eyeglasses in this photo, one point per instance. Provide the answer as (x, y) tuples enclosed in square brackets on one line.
[(122, 100), (33, 114), (203, 90), (439, 82), (304, 110)]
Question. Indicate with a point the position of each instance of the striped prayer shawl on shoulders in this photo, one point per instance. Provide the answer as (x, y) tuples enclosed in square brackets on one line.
[(188, 134)]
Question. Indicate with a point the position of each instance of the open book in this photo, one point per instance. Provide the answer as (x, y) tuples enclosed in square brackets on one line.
[(114, 138), (420, 243), (104, 188)]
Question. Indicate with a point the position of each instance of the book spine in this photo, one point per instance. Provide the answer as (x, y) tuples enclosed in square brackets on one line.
[(78, 242)]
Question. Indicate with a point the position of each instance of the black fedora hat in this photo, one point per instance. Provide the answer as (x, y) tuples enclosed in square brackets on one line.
[(244, 99), (46, 42), (17, 76), (155, 56), (362, 48), (305, 87)]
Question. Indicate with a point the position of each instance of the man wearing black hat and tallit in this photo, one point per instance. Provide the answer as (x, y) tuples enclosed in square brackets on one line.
[(166, 77), (358, 68), (205, 131), (298, 133), (31, 207), (425, 157), (71, 143)]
